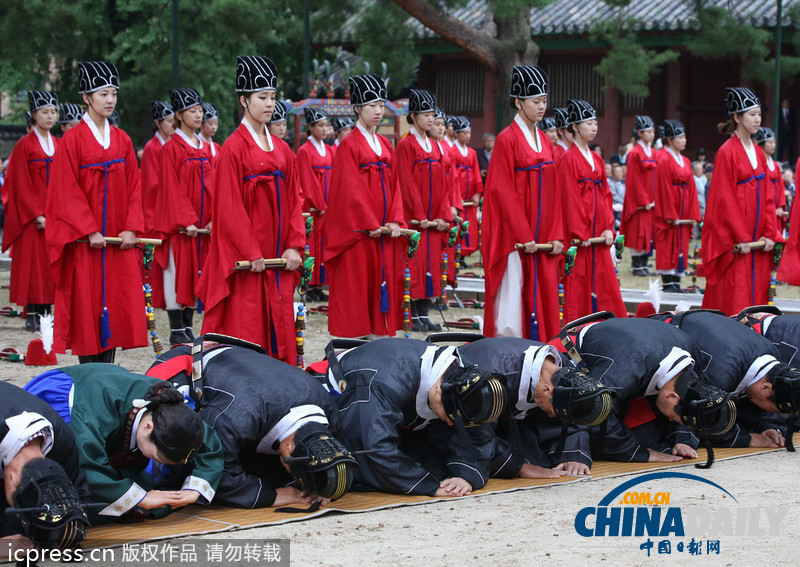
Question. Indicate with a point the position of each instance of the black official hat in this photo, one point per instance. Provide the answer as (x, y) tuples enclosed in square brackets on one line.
[(421, 101), (472, 395), (183, 99), (562, 117), (740, 99), (340, 122), (673, 129), (764, 134), (580, 111), (365, 89), (69, 112), (96, 75), (461, 123), (320, 463), (279, 114), (439, 113), (40, 99), (785, 382), (48, 506), (161, 109), (255, 73), (579, 398), (210, 111), (547, 124), (644, 123), (313, 115), (449, 120), (528, 81), (704, 406), (28, 118)]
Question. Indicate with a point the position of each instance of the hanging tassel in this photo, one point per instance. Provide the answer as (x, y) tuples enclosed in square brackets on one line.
[(199, 306), (105, 328), (428, 285), (594, 302), (561, 303), (322, 274), (384, 298), (534, 328), (681, 265), (299, 326)]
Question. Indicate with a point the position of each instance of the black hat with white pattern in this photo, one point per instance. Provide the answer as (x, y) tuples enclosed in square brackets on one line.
[(184, 98), (69, 112), (461, 123), (547, 124), (40, 99), (96, 75), (562, 117), (255, 73), (763, 135), (341, 122), (313, 115), (673, 129), (279, 114), (580, 111), (161, 109), (528, 81), (439, 113), (365, 89), (421, 101), (740, 99), (28, 118), (644, 123), (209, 112), (449, 120)]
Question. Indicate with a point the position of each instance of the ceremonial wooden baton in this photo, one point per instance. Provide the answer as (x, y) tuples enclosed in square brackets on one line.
[(546, 247), (118, 240), (757, 245)]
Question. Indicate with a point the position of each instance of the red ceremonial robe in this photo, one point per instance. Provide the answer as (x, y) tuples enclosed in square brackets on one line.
[(775, 183), (213, 148), (676, 198), (256, 214), (560, 150), (184, 198), (789, 269), (149, 174), (24, 197), (89, 179), (740, 208), (586, 203), (420, 177), (469, 187), (364, 271), (522, 203), (448, 167), (315, 179), (640, 181)]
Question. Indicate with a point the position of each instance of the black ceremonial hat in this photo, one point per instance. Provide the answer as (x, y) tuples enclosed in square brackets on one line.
[(562, 117), (439, 113), (340, 122), (644, 123), (740, 99), (313, 115), (579, 398), (764, 134), (40, 99), (365, 89), (320, 463), (161, 109), (528, 81), (706, 407), (580, 111), (673, 129), (421, 101), (547, 124), (69, 112), (210, 111), (255, 73), (785, 382), (279, 114), (461, 123), (184, 98), (28, 118), (96, 75), (473, 395)]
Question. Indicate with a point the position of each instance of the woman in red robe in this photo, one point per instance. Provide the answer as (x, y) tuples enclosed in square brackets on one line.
[(163, 119), (420, 176), (765, 138), (740, 209), (522, 205), (257, 216), (184, 203), (676, 199), (24, 199), (99, 300), (365, 266), (209, 129), (637, 209), (587, 208), (314, 162), (564, 135), (467, 181), (437, 134)]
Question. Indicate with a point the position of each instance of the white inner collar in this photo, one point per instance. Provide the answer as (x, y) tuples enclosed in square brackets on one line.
[(563, 145), (533, 138), (462, 149), (430, 371), (46, 143), (450, 142), (532, 363), (671, 365), (677, 157), (648, 149), (188, 140), (210, 144), (288, 424), (103, 139), (160, 138), (319, 145), (771, 163), (372, 139), (250, 129), (424, 142), (587, 153), (135, 428), (751, 152)]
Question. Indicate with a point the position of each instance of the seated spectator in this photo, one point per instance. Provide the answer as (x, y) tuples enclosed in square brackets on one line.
[(788, 181), (622, 154), (597, 149), (616, 184), (700, 182), (485, 154), (709, 170), (701, 155)]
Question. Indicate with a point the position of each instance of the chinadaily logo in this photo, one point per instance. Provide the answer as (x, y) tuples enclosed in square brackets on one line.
[(668, 513)]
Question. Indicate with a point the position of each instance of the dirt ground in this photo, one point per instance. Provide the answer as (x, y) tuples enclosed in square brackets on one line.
[(534, 527)]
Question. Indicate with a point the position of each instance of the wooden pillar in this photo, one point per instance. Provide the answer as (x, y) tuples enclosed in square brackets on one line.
[(611, 133)]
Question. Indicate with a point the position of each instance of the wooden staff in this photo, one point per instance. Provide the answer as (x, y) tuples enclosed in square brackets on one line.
[(757, 245), (386, 230), (593, 240), (118, 240), (683, 221), (546, 247), (199, 231), (306, 215), (268, 263), (468, 204)]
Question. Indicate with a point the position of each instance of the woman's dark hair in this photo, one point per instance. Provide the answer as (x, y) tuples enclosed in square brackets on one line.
[(177, 429), (729, 126), (571, 128), (513, 103), (409, 119)]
